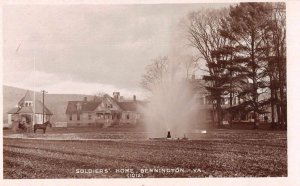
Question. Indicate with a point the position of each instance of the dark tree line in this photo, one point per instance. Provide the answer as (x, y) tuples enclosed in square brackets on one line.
[(244, 50)]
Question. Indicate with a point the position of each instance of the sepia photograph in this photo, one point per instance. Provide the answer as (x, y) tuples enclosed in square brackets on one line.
[(163, 90)]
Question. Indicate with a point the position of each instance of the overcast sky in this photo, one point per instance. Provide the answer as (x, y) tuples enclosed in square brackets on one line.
[(86, 49)]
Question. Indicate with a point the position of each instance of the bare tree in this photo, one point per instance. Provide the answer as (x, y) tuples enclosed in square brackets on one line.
[(190, 65), (154, 73), (244, 51), (276, 39), (203, 34), (98, 96)]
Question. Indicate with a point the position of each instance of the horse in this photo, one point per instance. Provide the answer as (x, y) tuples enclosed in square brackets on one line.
[(42, 126)]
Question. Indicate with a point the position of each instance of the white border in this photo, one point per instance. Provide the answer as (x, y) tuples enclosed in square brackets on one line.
[(293, 77)]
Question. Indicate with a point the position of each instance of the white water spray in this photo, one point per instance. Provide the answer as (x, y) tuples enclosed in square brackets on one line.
[(172, 106)]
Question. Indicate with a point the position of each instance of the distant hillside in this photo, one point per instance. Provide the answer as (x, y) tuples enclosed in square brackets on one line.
[(57, 103)]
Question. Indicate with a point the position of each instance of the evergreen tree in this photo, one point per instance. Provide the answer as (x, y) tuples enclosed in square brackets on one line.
[(245, 27)]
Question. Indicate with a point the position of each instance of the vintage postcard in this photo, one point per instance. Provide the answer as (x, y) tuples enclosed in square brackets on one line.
[(142, 90)]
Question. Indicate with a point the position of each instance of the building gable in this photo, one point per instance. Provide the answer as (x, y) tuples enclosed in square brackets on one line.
[(108, 103), (27, 105)]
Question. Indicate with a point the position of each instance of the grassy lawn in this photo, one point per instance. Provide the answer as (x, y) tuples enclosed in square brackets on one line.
[(223, 153)]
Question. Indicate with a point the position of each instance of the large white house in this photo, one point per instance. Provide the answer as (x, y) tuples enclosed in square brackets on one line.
[(104, 112)]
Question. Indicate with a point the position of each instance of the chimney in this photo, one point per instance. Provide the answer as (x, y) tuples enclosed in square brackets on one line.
[(85, 99), (134, 97), (116, 96)]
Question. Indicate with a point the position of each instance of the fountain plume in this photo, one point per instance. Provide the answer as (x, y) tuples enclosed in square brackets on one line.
[(172, 107)]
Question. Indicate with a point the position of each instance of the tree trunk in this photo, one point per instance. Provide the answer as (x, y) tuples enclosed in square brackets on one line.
[(281, 94), (277, 109), (272, 102), (230, 99), (254, 90), (219, 112), (213, 116)]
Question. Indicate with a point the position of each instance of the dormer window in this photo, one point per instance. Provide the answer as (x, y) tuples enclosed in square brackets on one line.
[(28, 104)]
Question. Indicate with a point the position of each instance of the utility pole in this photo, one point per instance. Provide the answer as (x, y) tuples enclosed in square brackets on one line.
[(43, 91)]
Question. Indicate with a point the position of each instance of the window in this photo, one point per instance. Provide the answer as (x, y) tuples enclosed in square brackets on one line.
[(70, 117), (90, 117), (78, 116), (127, 116), (101, 115)]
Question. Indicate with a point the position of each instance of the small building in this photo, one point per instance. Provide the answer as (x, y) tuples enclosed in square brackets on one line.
[(29, 112), (103, 112)]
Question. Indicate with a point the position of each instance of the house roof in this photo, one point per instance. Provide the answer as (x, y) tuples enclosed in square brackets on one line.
[(13, 110), (21, 102), (38, 106), (86, 106), (128, 105), (38, 109), (24, 110), (90, 106), (27, 96)]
